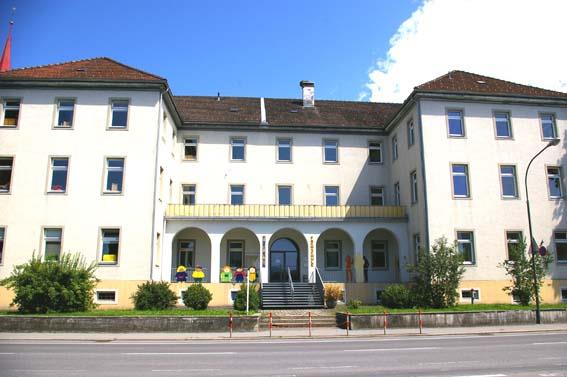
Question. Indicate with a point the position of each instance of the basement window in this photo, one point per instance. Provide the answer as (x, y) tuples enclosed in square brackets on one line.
[(378, 295), (466, 295), (563, 294), (106, 297)]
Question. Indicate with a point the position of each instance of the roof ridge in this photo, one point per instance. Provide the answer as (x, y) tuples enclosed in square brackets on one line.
[(60, 63), (130, 67), (289, 99)]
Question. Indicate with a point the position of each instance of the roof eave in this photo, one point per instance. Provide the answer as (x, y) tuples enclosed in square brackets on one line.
[(14, 83), (251, 126)]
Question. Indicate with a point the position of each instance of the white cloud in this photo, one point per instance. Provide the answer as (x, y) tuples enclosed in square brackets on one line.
[(517, 40)]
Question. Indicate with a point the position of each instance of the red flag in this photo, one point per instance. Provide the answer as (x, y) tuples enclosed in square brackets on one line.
[(5, 60)]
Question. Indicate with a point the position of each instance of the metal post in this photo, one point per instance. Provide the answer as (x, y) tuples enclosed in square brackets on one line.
[(270, 323), (347, 322), (420, 321), (309, 313), (247, 291), (230, 323), (385, 321)]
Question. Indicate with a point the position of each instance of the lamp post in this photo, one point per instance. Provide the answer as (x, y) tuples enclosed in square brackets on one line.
[(533, 250)]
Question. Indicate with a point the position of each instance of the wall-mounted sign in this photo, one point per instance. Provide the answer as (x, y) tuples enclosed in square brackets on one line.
[(263, 251), (311, 252)]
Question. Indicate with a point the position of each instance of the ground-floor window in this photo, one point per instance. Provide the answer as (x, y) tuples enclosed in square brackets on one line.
[(332, 255), (105, 297), (467, 294), (186, 253), (513, 239), (561, 246), (379, 255), (465, 242), (2, 232), (379, 296), (235, 253), (52, 243), (563, 294), (110, 241)]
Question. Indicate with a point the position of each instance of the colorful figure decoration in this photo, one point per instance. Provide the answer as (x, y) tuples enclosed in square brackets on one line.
[(226, 274), (181, 274), (239, 275), (348, 268), (198, 275), (252, 274)]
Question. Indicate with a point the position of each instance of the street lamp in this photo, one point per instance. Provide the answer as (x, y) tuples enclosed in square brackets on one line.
[(533, 250)]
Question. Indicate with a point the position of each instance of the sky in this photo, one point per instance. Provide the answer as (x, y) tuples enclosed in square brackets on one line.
[(374, 50)]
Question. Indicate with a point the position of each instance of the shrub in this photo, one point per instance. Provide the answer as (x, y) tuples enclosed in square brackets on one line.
[(354, 304), (396, 296), (197, 297), (154, 295), (333, 292), (253, 299), (65, 285)]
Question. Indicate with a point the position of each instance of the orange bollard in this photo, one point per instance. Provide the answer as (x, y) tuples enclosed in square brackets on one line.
[(270, 323), (420, 321), (310, 324), (230, 323), (385, 321), (347, 322)]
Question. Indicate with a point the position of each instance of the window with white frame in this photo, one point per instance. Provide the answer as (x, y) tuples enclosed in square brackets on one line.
[(284, 195), (376, 196), (465, 244), (330, 151), (379, 255), (548, 130), (375, 152), (397, 196), (186, 253), (508, 181), (513, 239), (235, 253), (237, 148), (455, 123), (110, 244), (554, 182), (411, 133), (503, 126), (2, 237), (11, 112), (52, 243), (413, 182), (560, 239), (331, 195), (190, 149), (65, 111), (394, 147), (468, 294), (332, 255), (284, 149), (188, 194), (563, 294), (6, 165), (114, 175), (416, 244), (236, 194), (58, 169), (119, 109), (460, 173)]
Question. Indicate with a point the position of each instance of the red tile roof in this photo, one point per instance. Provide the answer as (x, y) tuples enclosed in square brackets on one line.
[(200, 109), (466, 82), (95, 69)]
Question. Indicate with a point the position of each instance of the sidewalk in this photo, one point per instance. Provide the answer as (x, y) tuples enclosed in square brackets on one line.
[(317, 333)]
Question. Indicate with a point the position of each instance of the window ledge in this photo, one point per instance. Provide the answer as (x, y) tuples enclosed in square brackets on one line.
[(107, 263), (111, 193)]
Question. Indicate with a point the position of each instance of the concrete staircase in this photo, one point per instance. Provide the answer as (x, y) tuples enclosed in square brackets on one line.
[(297, 319), (279, 295)]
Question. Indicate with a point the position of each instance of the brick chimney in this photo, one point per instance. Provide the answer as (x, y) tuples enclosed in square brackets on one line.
[(308, 93)]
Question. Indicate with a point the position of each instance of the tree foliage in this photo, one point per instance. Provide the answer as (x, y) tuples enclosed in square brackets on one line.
[(254, 298), (64, 285), (154, 295), (397, 296), (197, 297)]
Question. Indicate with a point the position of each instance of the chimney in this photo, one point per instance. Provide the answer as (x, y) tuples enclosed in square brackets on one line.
[(308, 93)]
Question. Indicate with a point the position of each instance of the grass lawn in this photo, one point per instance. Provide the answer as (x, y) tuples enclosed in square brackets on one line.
[(132, 312), (459, 308)]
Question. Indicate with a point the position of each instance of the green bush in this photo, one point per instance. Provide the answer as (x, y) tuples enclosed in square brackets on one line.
[(154, 295), (396, 296), (254, 299), (197, 297), (65, 285), (354, 304)]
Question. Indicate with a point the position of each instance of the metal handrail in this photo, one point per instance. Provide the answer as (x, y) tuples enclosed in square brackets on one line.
[(290, 283), (319, 281)]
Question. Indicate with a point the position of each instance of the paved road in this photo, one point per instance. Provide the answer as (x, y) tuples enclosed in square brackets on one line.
[(498, 355)]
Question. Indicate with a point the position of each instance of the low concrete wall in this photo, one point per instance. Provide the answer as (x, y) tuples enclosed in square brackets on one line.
[(21, 323), (451, 319)]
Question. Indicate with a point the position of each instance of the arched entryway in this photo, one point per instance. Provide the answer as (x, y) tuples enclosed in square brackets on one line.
[(381, 252), (335, 256), (288, 250), (191, 247), (240, 248)]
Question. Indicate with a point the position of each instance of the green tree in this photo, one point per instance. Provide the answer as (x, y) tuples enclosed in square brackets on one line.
[(254, 298), (519, 269), (197, 297), (438, 274), (64, 285), (154, 295)]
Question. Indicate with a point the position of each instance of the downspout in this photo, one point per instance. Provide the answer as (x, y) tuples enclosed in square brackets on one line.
[(422, 153)]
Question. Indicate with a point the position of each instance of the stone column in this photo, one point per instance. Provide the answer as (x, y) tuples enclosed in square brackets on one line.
[(165, 264), (215, 257), (311, 255), (264, 240), (358, 260)]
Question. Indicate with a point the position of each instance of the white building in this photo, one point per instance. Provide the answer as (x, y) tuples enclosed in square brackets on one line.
[(100, 158)]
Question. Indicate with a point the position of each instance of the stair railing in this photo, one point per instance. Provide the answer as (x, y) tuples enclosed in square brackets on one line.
[(292, 289), (319, 282)]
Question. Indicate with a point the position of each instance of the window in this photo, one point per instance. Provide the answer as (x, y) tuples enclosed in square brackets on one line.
[(52, 243), (331, 151), (413, 182), (6, 164), (65, 111), (237, 148), (375, 152), (513, 239), (190, 149), (236, 194), (397, 197), (2, 237), (235, 253), (554, 180), (284, 195), (110, 241), (331, 195), (105, 297), (465, 243), (379, 296), (456, 124), (508, 181), (188, 194), (376, 196), (284, 150), (119, 114), (332, 255), (561, 246), (411, 133), (563, 294), (11, 112), (416, 244), (59, 167), (395, 147), (379, 251), (548, 130), (114, 175), (503, 127), (467, 294), (186, 253), (460, 174)]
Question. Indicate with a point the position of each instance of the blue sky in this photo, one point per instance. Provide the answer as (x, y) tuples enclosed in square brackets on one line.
[(244, 48)]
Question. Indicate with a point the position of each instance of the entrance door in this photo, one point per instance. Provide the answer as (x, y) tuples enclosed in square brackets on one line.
[(284, 254)]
